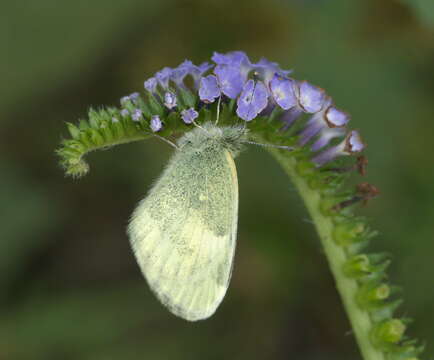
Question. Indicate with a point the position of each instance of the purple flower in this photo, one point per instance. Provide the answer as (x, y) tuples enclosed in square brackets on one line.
[(230, 80), (114, 119), (336, 117), (124, 100), (354, 143), (311, 98), (252, 100), (196, 71), (237, 59), (264, 68), (189, 115), (125, 113), (178, 75), (163, 76), (134, 96), (137, 115), (156, 124), (151, 84), (231, 58), (289, 117), (169, 100), (282, 90), (325, 136), (209, 89), (268, 69), (350, 145), (315, 124)]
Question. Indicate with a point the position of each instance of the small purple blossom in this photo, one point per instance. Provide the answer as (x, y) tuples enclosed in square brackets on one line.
[(156, 124), (230, 80), (231, 58), (137, 115), (209, 89), (134, 96), (151, 84), (169, 100), (237, 59), (187, 64), (205, 66), (178, 75), (282, 90), (325, 136), (336, 117), (252, 101), (315, 124), (115, 120), (264, 68), (309, 132), (196, 71), (350, 145), (163, 76), (125, 113), (311, 98), (289, 117), (268, 69), (354, 142), (189, 115), (124, 100)]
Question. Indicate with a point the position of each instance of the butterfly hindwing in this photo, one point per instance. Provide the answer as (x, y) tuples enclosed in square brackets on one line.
[(183, 233)]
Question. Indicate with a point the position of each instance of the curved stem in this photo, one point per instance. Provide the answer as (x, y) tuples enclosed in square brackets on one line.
[(336, 256)]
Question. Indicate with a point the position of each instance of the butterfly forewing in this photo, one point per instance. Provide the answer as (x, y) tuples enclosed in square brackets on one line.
[(183, 233)]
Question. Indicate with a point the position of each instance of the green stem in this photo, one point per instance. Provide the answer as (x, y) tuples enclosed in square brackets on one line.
[(360, 320)]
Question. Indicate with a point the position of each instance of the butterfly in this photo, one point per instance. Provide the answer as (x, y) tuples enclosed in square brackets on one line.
[(183, 234)]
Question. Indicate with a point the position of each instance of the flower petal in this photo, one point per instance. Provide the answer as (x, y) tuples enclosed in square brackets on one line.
[(252, 101), (137, 115), (189, 115), (209, 89), (230, 80), (163, 76), (354, 143), (156, 124), (336, 117), (311, 98), (282, 90), (151, 84), (169, 100)]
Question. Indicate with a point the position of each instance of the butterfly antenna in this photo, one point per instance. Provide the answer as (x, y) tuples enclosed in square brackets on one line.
[(166, 141), (290, 148), (218, 111)]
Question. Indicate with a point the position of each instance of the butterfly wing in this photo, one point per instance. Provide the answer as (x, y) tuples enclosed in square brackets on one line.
[(183, 233)]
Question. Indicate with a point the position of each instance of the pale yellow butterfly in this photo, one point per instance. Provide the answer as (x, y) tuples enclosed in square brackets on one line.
[(183, 233)]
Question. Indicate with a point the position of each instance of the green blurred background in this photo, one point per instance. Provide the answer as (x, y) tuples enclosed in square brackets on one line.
[(70, 287)]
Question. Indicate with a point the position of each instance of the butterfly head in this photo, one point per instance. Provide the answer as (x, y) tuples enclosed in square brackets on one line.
[(210, 136)]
